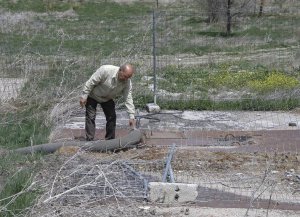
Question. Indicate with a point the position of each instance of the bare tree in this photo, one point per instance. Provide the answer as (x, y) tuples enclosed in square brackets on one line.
[(228, 26)]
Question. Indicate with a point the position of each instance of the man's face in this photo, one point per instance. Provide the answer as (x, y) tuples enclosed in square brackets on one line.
[(125, 75)]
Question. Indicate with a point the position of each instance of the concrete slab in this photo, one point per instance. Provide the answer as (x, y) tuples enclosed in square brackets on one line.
[(172, 193), (230, 131)]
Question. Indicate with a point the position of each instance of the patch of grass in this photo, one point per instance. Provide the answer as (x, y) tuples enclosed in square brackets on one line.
[(99, 26), (11, 43), (257, 80), (229, 75), (244, 104), (140, 100), (232, 76), (17, 171), (177, 79), (15, 186), (35, 5), (214, 34), (271, 28), (111, 10), (195, 20), (269, 31), (274, 81), (24, 128), (44, 44)]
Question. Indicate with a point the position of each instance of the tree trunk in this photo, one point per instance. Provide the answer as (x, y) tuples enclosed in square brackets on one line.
[(229, 3), (261, 7)]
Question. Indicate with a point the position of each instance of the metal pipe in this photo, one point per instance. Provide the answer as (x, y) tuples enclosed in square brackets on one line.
[(171, 174), (168, 163), (154, 53), (129, 141)]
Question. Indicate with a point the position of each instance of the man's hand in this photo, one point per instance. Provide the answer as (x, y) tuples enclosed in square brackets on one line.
[(132, 123), (82, 102)]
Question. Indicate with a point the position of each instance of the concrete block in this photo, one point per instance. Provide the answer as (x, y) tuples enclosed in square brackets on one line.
[(152, 108), (172, 193)]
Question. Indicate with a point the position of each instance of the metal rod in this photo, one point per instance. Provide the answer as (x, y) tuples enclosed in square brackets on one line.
[(168, 163), (171, 174), (154, 53)]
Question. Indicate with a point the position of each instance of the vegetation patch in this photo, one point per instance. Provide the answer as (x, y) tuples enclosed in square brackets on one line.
[(24, 128), (199, 84), (234, 105), (17, 190), (274, 81)]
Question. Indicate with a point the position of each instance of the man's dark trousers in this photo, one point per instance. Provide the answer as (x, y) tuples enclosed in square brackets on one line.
[(90, 116)]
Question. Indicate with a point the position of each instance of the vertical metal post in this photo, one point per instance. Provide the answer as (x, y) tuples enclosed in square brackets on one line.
[(154, 53), (168, 169)]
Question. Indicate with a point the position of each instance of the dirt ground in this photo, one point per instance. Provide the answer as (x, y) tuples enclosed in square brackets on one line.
[(214, 171)]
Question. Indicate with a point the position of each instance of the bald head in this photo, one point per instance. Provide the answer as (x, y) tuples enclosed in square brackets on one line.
[(125, 72)]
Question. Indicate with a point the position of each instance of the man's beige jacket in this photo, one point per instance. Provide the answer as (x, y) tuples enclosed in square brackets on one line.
[(104, 85)]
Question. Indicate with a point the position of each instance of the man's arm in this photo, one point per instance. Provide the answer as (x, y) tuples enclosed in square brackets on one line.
[(127, 94)]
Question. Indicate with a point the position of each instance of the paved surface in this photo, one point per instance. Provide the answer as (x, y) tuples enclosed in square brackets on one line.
[(230, 131)]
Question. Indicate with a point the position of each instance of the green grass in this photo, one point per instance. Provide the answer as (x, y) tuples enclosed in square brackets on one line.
[(34, 5), (199, 83), (240, 105), (103, 26), (270, 31), (18, 171), (24, 128), (111, 10), (98, 27), (16, 184), (230, 76)]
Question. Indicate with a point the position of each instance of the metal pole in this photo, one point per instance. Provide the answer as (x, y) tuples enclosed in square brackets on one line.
[(171, 174), (154, 53), (168, 168)]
